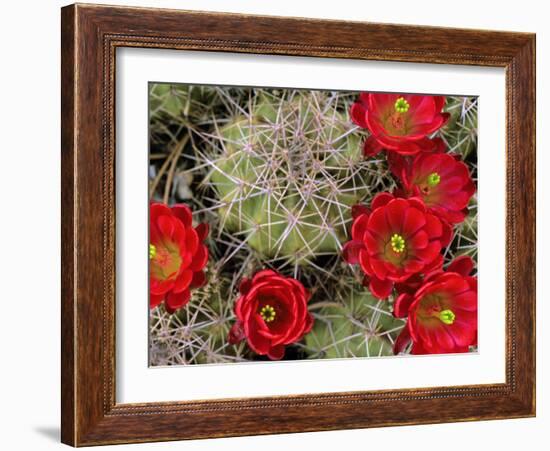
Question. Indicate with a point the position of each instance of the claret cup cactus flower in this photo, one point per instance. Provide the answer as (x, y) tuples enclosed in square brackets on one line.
[(442, 181), (399, 123), (441, 313), (177, 255), (396, 240), (271, 313)]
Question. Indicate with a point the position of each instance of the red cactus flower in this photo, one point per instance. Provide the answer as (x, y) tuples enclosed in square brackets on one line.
[(398, 239), (271, 313), (177, 255), (442, 313), (399, 122), (442, 182)]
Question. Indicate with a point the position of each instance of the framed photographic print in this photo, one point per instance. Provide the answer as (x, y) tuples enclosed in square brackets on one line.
[(278, 225)]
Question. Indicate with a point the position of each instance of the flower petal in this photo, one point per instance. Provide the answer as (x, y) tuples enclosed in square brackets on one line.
[(413, 221), (429, 253), (276, 352), (378, 223), (199, 259), (419, 240), (379, 267), (236, 333), (358, 210), (202, 231), (381, 199), (191, 240), (380, 288), (462, 265), (350, 252), (183, 213), (395, 214), (175, 301), (401, 305), (371, 147), (403, 339), (358, 227), (199, 279), (183, 281), (155, 300), (357, 114)]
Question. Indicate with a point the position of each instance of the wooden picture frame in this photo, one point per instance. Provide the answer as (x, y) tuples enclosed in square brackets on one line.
[(90, 37)]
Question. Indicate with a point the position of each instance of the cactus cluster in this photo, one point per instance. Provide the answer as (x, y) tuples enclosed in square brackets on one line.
[(274, 172), (285, 173)]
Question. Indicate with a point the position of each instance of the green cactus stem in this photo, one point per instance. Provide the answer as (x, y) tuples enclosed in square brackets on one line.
[(286, 174)]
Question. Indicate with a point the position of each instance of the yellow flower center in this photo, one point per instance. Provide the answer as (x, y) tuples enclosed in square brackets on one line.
[(268, 313), (152, 251), (401, 105), (433, 179), (447, 317), (397, 243)]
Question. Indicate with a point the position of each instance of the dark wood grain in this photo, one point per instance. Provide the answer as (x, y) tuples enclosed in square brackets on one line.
[(90, 36), (68, 243)]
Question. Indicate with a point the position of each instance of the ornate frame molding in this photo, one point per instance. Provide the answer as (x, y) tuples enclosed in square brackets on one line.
[(90, 36)]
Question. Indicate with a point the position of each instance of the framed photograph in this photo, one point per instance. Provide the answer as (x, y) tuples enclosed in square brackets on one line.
[(279, 225)]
